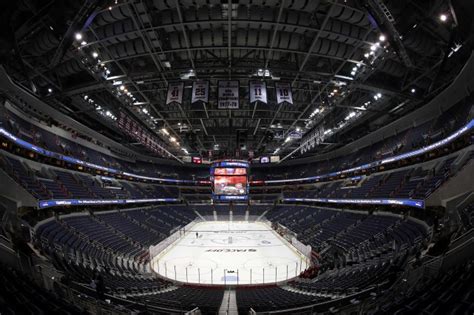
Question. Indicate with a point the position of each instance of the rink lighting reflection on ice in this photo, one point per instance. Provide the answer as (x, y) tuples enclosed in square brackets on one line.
[(228, 253)]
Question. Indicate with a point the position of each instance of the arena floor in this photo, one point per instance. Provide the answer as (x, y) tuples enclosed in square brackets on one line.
[(230, 253)]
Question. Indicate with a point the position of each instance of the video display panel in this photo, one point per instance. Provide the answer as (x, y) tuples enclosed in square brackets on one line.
[(229, 180), (230, 185)]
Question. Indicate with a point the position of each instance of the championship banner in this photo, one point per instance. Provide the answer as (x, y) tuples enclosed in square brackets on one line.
[(283, 93), (258, 91), (228, 95), (200, 92), (175, 93)]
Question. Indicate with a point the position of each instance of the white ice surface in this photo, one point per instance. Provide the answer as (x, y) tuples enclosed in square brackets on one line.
[(255, 255)]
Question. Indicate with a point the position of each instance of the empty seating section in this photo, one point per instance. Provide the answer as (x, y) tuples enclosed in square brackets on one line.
[(52, 183), (404, 141), (390, 183), (413, 182), (466, 214), (416, 182), (258, 210), (113, 240), (358, 235), (348, 279), (239, 210), (187, 298), (132, 229), (19, 294), (114, 244), (272, 298), (451, 292), (74, 186), (369, 248), (115, 283), (95, 187), (56, 189), (206, 210), (438, 175), (55, 143), (24, 177)]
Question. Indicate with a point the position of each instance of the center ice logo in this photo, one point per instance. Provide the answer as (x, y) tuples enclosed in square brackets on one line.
[(230, 250)]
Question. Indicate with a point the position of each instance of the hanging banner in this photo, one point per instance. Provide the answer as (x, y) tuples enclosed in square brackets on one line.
[(228, 95), (295, 134), (200, 92), (175, 93), (283, 93), (258, 91)]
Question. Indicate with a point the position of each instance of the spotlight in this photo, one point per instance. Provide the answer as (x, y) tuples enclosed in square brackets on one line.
[(413, 90), (95, 54), (382, 38), (443, 17), (50, 90), (78, 36), (122, 87)]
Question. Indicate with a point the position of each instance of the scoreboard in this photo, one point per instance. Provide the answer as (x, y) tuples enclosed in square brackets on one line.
[(229, 180)]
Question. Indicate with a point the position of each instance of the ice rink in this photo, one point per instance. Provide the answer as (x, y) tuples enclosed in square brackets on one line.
[(230, 253)]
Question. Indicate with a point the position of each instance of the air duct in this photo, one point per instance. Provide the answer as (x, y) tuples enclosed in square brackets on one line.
[(350, 15), (392, 67), (68, 68), (118, 13), (44, 42), (420, 43)]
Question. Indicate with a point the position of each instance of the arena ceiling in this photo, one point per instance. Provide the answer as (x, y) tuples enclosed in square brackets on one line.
[(353, 65)]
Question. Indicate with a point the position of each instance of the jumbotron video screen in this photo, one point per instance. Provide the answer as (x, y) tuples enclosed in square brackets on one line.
[(229, 180)]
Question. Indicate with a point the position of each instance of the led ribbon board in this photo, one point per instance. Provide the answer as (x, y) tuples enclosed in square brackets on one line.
[(229, 180), (26, 145), (398, 202), (417, 152), (89, 202)]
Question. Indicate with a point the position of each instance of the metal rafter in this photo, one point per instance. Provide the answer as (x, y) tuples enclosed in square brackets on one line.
[(135, 87), (275, 31), (237, 62), (245, 22), (183, 29), (153, 53), (307, 55), (323, 89), (313, 44)]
